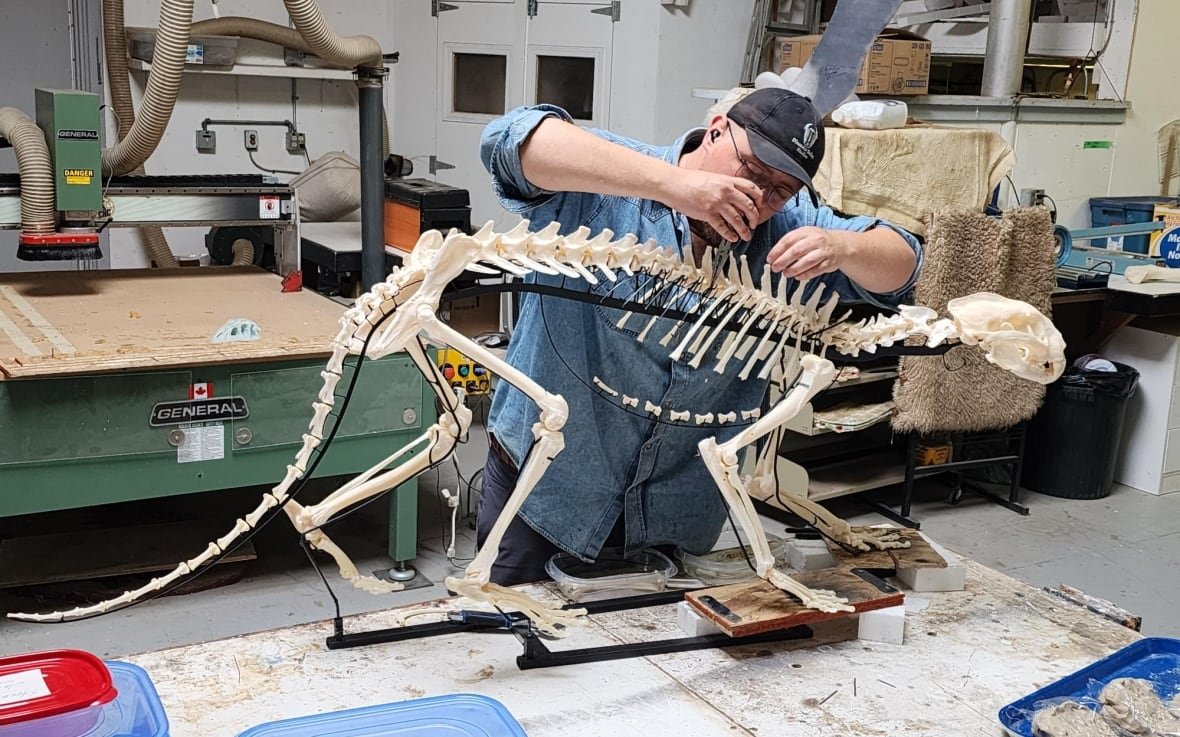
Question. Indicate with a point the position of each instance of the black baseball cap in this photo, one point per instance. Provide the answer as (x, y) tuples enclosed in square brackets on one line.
[(786, 132)]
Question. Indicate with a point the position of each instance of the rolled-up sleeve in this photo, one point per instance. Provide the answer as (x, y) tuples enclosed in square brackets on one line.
[(500, 152), (803, 213)]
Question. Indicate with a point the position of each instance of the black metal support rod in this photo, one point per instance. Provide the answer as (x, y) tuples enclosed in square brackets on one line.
[(282, 123), (371, 83), (537, 655)]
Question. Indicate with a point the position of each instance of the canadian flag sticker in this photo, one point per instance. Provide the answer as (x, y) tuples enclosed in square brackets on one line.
[(203, 390)]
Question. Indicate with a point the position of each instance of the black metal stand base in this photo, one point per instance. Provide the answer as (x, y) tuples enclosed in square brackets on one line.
[(537, 654)]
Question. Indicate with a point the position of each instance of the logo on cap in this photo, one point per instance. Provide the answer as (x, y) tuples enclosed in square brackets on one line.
[(810, 136)]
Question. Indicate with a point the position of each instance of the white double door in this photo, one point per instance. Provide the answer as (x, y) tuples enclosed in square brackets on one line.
[(496, 55)]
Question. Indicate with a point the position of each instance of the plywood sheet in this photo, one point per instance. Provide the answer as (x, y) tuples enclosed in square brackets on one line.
[(85, 322), (758, 606)]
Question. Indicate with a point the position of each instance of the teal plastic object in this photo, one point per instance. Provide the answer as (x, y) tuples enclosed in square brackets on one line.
[(237, 330), (456, 715)]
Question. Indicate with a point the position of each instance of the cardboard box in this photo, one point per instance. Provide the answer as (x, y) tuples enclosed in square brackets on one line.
[(897, 64)]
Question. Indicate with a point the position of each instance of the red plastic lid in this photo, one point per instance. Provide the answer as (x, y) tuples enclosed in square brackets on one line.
[(45, 684)]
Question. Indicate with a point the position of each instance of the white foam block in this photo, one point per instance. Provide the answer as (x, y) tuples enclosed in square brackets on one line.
[(951, 578), (809, 555), (883, 625), (692, 623)]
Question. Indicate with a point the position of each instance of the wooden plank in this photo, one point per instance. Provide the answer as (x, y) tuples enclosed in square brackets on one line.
[(88, 554), (758, 606), (918, 555), (150, 319)]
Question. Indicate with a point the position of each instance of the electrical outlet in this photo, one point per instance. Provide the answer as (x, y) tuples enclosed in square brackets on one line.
[(251, 137), (1032, 197), (296, 142), (206, 142)]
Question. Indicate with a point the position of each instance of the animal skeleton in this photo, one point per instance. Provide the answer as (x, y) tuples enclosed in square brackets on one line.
[(784, 339)]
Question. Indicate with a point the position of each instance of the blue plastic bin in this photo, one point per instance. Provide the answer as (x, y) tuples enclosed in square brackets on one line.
[(456, 715), (1155, 659), (136, 711), (1106, 211)]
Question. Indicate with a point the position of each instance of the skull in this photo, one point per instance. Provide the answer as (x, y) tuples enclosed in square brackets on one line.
[(1012, 334)]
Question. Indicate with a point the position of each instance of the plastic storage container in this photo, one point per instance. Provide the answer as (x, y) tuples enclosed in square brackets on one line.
[(457, 715), (55, 693), (647, 572), (1154, 659), (136, 711), (1073, 441), (727, 565), (221, 51), (1106, 211)]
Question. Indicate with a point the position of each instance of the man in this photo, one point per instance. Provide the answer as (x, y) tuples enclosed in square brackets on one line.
[(627, 479)]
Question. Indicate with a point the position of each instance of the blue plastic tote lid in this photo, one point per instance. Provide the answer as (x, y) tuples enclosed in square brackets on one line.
[(456, 715)]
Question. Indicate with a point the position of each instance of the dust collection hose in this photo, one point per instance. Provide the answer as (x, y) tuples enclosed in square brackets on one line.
[(337, 51), (38, 211), (243, 251), (163, 86), (115, 45)]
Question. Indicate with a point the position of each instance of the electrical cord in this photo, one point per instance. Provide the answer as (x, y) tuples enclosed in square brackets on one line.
[(271, 171)]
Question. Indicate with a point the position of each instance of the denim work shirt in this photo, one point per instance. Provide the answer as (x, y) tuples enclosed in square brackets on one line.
[(617, 458)]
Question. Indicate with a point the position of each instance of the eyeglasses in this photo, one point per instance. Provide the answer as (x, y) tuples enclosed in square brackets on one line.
[(775, 194)]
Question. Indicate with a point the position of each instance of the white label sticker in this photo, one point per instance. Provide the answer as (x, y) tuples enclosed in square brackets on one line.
[(28, 684), (201, 443), (268, 207), (195, 54), (1114, 243)]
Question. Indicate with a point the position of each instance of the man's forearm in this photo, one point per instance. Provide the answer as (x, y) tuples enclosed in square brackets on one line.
[(561, 157), (878, 259)]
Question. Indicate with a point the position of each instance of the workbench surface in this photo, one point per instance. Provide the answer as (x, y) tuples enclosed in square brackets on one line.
[(61, 323), (966, 654)]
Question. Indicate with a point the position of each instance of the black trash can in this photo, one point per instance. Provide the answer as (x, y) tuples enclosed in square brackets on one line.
[(1073, 441)]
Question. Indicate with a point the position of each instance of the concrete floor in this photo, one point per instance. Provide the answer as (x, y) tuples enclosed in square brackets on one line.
[(1124, 548)]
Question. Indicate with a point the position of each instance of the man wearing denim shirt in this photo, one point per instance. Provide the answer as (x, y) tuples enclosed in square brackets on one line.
[(626, 479)]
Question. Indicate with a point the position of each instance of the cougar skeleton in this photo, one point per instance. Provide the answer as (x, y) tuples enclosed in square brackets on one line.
[(785, 340)]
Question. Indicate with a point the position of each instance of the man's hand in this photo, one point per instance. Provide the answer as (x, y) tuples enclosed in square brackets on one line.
[(808, 252), (728, 204)]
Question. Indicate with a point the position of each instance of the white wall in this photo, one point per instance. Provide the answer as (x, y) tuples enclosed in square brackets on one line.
[(325, 109), (703, 46), (1053, 155)]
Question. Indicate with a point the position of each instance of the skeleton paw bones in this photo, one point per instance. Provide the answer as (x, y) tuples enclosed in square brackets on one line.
[(394, 314)]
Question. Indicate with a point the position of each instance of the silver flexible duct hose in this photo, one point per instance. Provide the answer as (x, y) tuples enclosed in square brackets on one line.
[(243, 252), (291, 38), (38, 206), (115, 45), (159, 97), (325, 43)]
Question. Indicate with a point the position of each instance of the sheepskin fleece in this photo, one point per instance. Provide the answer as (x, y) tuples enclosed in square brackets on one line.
[(968, 252)]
